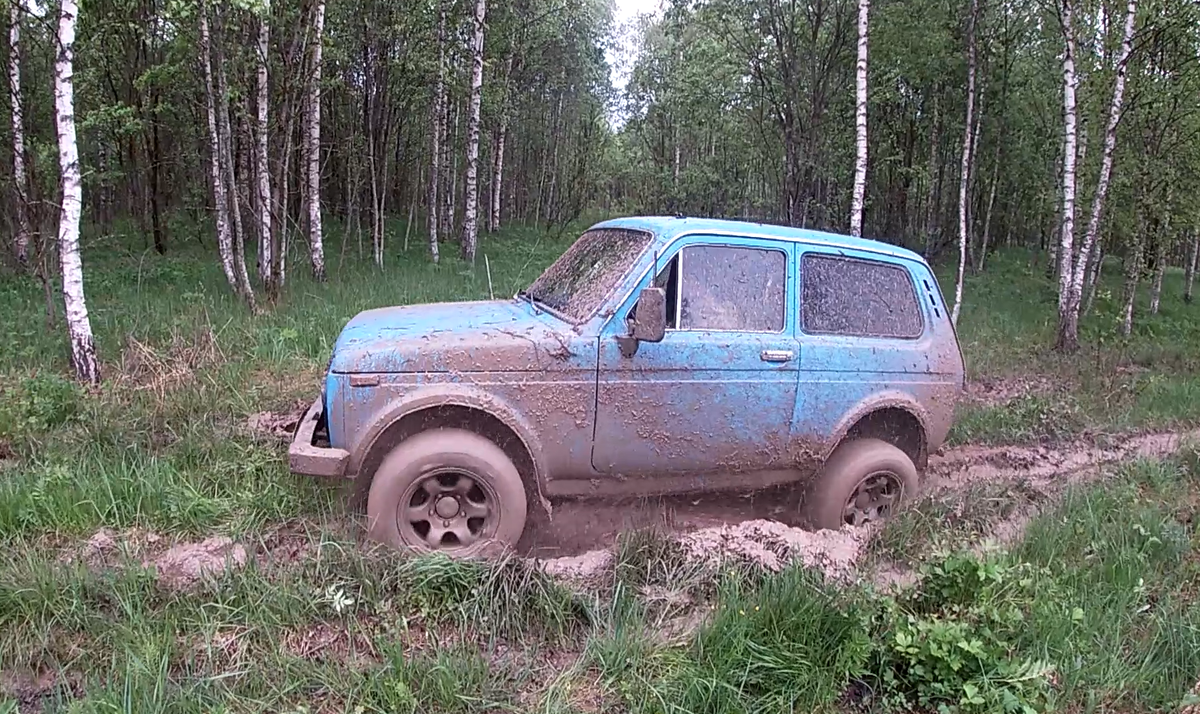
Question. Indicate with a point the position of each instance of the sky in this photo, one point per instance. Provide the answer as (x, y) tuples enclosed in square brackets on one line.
[(621, 53)]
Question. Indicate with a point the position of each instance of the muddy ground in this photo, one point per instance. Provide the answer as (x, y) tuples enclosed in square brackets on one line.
[(760, 527)]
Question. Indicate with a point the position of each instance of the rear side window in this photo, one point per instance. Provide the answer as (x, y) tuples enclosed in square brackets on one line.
[(862, 298)]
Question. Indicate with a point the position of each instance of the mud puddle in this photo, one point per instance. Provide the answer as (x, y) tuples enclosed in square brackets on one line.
[(761, 527)]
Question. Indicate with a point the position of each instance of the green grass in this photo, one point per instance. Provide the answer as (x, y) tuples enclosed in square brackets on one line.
[(161, 453), (1148, 380)]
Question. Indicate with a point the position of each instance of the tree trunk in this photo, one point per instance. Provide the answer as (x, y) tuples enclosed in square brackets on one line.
[(1160, 269), (470, 234), (262, 127), (860, 122), (1189, 280), (220, 200), (83, 347), (1068, 330), (1068, 320), (1095, 272), (1133, 271), (931, 192), (987, 216), (225, 136), (282, 198), (313, 196), (965, 177), (21, 188), (434, 212), (501, 138)]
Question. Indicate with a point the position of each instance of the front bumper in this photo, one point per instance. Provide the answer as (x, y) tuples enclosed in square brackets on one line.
[(311, 460)]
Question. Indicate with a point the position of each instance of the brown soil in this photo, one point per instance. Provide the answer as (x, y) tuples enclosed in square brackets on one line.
[(760, 528), (177, 566), (276, 425), (183, 565), (36, 691)]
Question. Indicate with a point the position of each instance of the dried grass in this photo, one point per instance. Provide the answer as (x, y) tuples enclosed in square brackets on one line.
[(161, 369)]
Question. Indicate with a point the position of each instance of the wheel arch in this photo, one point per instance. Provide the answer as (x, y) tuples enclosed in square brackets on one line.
[(893, 417), (435, 408)]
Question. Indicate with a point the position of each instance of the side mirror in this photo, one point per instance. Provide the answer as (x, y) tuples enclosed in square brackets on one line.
[(651, 322)]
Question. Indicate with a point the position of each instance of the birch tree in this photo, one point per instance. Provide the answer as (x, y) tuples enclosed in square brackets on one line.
[(20, 185), (860, 122), (1189, 278), (501, 138), (266, 261), (313, 195), (1068, 314), (225, 137), (965, 177), (79, 327), (220, 199), (436, 136), (1070, 148), (470, 233)]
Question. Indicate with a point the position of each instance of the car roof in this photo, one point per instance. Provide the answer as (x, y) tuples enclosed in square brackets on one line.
[(667, 228)]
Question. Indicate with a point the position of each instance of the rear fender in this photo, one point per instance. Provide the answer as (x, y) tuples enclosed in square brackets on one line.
[(889, 399)]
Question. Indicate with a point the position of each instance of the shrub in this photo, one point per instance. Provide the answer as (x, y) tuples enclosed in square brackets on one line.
[(948, 646)]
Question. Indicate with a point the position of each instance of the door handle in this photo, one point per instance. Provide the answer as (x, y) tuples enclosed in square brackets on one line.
[(776, 355)]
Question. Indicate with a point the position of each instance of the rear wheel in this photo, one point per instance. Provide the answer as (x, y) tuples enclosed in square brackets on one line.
[(863, 481), (447, 490)]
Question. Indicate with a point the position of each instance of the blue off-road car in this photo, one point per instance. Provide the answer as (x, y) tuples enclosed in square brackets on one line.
[(656, 355)]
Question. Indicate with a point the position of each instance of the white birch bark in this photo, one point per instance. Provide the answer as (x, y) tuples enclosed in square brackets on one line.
[(225, 135), (220, 199), (83, 347), (1070, 143), (439, 131), (498, 164), (1189, 279), (24, 230), (470, 233), (965, 176), (1160, 270), (261, 168), (987, 217), (1068, 337), (860, 122), (1095, 272), (313, 197), (1133, 273)]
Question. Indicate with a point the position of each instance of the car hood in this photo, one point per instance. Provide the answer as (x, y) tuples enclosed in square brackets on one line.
[(485, 336)]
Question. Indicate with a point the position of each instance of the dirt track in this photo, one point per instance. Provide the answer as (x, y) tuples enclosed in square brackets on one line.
[(760, 526)]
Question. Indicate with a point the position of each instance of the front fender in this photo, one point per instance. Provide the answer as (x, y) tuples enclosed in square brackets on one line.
[(445, 395)]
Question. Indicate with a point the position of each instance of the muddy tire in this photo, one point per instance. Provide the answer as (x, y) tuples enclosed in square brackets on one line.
[(863, 481), (448, 490)]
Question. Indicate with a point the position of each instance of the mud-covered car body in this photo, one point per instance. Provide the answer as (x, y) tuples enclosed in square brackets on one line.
[(779, 344)]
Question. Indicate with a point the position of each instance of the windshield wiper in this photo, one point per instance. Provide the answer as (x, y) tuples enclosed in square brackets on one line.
[(532, 300)]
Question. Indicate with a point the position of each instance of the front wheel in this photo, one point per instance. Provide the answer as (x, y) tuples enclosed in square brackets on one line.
[(447, 490), (863, 481)]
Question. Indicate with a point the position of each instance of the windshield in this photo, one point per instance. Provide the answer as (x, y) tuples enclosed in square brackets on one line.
[(581, 278)]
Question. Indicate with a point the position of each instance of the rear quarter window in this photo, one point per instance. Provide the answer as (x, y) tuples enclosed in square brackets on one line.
[(855, 297)]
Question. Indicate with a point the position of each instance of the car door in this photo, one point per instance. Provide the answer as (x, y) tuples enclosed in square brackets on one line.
[(864, 332), (718, 392)]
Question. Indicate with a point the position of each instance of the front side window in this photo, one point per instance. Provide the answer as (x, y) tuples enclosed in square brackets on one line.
[(861, 298), (731, 288)]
